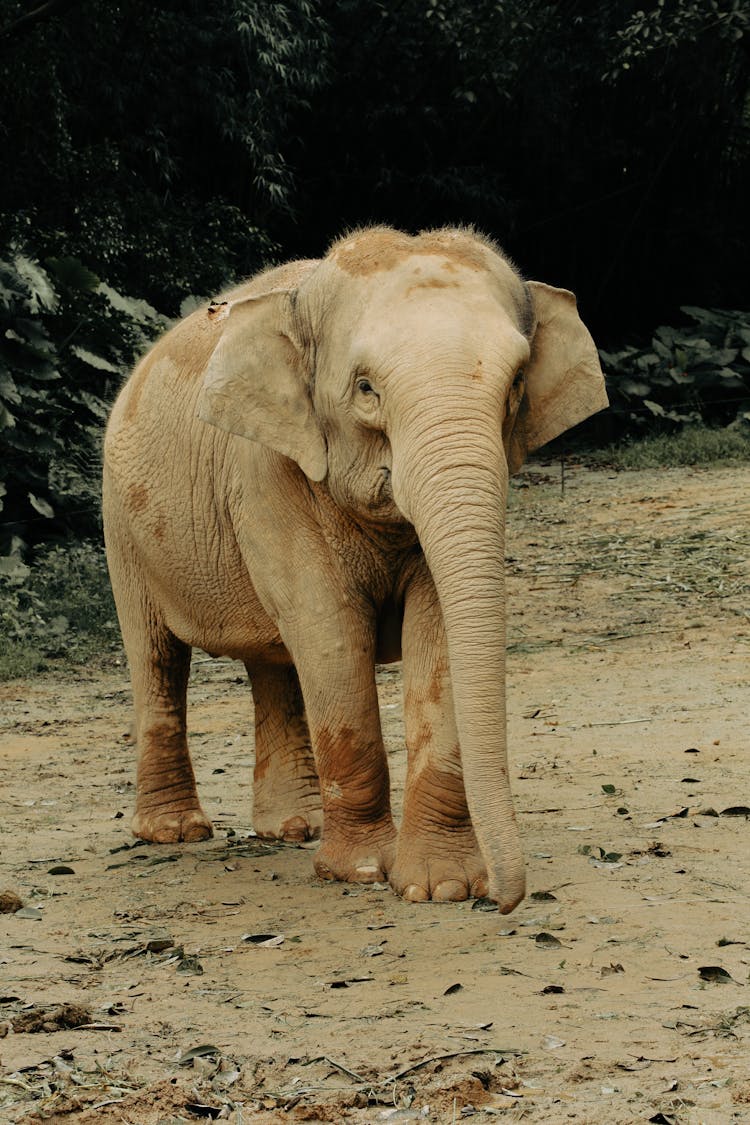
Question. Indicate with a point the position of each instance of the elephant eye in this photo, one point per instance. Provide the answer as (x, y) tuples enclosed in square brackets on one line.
[(364, 386)]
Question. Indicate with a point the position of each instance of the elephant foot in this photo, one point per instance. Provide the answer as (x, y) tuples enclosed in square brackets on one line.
[(363, 856), (172, 826), (293, 829), (439, 867)]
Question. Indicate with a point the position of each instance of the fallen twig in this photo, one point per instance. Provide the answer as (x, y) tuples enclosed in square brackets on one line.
[(616, 723), (338, 1066), (450, 1055)]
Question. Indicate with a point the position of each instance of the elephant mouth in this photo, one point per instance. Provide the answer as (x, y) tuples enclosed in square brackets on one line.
[(381, 498), (382, 509)]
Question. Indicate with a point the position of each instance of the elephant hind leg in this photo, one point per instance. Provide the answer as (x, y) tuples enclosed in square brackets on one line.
[(167, 808), (286, 797)]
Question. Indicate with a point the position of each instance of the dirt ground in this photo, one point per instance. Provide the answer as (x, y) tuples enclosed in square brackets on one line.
[(221, 980)]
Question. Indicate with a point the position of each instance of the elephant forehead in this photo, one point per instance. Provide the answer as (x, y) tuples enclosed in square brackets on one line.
[(375, 251)]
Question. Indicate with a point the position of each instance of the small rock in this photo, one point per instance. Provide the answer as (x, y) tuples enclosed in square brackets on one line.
[(9, 902)]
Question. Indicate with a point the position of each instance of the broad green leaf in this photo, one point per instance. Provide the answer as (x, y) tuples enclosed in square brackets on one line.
[(8, 389), (702, 316), (730, 377), (631, 387), (41, 506), (72, 273), (137, 309), (95, 405), (41, 293), (97, 361)]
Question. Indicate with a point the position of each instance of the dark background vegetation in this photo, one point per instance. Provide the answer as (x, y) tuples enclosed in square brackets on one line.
[(175, 145), (154, 152)]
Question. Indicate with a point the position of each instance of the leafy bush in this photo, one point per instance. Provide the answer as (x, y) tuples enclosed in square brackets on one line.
[(61, 605), (66, 341), (696, 374)]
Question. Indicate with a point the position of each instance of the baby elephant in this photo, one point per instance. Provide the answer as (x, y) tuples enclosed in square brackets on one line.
[(302, 474)]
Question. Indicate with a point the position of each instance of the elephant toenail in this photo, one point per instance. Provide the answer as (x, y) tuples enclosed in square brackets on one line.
[(368, 870), (415, 893), (295, 829), (451, 890)]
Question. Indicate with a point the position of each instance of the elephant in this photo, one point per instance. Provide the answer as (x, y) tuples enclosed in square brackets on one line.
[(310, 476)]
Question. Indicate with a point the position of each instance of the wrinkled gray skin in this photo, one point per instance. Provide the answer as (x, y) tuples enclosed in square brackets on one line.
[(309, 477)]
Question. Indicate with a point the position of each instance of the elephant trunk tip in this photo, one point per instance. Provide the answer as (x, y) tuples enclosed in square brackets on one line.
[(509, 896)]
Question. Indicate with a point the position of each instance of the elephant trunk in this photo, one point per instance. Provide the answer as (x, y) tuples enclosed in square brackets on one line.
[(453, 490)]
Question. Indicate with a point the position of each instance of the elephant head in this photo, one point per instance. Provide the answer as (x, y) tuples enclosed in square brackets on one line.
[(411, 375)]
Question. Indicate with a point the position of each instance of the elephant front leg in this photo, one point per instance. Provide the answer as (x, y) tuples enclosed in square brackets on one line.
[(437, 856), (286, 794), (336, 669)]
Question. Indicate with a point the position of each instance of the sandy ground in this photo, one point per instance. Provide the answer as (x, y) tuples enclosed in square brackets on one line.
[(617, 992)]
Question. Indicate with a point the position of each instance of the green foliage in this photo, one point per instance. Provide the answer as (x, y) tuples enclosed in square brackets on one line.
[(150, 140), (176, 146), (60, 606), (672, 26), (66, 342), (693, 445), (698, 373)]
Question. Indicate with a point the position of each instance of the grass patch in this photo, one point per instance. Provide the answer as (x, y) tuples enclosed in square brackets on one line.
[(59, 607), (694, 445)]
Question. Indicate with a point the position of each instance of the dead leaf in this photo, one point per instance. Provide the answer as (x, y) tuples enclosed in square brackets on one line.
[(31, 912), (715, 975), (452, 988), (203, 1050), (159, 943), (546, 940), (551, 1042), (264, 941), (198, 1109), (346, 982)]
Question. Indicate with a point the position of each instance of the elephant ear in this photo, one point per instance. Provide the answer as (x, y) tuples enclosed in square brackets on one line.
[(563, 382), (255, 386)]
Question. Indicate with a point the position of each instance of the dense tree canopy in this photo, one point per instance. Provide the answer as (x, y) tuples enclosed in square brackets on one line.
[(152, 152), (150, 139), (173, 146)]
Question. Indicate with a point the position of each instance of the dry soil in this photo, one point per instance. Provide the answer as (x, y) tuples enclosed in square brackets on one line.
[(222, 980)]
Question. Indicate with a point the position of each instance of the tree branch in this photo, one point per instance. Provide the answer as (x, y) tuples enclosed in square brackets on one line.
[(50, 8)]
